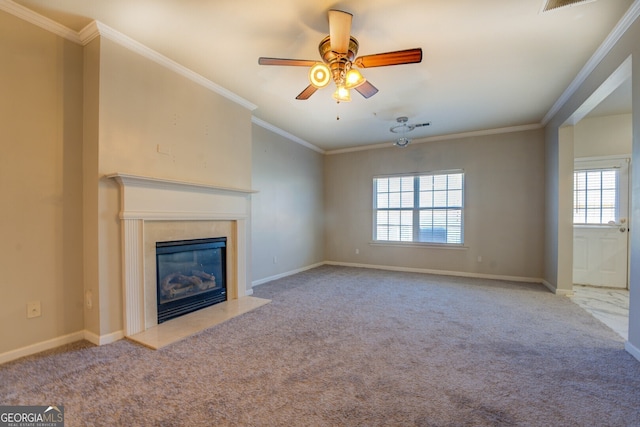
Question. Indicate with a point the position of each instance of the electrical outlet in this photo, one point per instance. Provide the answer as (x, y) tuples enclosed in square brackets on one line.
[(357, 251), (275, 259), (88, 300), (479, 258), (34, 309)]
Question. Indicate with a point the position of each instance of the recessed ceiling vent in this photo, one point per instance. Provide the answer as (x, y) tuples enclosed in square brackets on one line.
[(556, 4)]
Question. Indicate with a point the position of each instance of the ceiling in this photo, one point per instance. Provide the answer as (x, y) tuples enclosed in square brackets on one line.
[(486, 64)]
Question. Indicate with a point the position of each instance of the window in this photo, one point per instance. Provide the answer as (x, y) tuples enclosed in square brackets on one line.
[(419, 208), (595, 198)]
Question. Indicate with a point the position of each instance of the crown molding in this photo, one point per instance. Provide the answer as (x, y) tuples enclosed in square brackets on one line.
[(38, 20), (614, 36), (88, 33), (95, 29), (285, 134), (444, 137), (137, 47), (618, 77)]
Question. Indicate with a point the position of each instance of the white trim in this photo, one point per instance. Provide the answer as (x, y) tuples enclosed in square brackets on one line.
[(146, 199), (103, 339), (412, 270), (284, 133), (555, 290), (632, 350), (41, 346), (38, 20), (440, 272), (95, 28), (446, 137), (178, 215), (142, 50), (285, 274), (150, 182), (621, 27), (60, 341), (617, 78), (88, 33)]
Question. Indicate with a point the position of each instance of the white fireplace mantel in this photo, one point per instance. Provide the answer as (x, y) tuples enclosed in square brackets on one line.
[(154, 199)]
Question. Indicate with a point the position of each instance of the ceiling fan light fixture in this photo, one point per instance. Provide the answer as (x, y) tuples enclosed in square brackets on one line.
[(403, 127), (353, 79), (342, 94), (319, 75), (402, 142)]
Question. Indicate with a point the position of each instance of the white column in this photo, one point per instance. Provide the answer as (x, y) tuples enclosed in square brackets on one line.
[(133, 270)]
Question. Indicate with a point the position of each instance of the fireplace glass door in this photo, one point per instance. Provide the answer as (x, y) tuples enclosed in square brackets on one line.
[(191, 274)]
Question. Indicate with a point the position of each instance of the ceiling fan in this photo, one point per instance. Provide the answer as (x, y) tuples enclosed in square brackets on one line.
[(338, 51), (403, 128)]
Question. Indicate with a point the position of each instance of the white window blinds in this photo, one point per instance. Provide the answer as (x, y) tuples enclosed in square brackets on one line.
[(419, 208)]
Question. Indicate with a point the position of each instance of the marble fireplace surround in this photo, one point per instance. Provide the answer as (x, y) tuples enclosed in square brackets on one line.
[(154, 209)]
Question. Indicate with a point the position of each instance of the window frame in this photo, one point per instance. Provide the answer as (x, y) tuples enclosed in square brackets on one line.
[(600, 190), (416, 209)]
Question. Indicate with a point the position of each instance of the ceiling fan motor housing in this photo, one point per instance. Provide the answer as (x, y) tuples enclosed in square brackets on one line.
[(340, 64)]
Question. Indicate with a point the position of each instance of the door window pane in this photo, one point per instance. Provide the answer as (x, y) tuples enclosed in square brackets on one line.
[(595, 196)]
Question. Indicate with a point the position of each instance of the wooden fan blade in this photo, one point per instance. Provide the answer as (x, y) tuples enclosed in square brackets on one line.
[(409, 56), (283, 61), (339, 30), (367, 90), (305, 94)]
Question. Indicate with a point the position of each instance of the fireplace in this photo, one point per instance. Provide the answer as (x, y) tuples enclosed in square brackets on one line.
[(159, 210), (190, 274)]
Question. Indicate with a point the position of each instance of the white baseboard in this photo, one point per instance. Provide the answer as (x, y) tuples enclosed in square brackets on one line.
[(59, 341), (555, 290), (552, 288), (440, 272), (41, 346), (288, 273), (103, 339), (632, 350)]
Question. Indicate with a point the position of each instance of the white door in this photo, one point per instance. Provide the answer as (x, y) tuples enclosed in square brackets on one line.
[(601, 228)]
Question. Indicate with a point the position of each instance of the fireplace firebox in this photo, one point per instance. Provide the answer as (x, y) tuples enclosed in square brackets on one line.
[(191, 274)]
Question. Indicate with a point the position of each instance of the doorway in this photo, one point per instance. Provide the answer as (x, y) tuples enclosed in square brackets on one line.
[(602, 130), (600, 218)]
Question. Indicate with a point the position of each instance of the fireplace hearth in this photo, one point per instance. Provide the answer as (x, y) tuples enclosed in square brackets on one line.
[(191, 274)]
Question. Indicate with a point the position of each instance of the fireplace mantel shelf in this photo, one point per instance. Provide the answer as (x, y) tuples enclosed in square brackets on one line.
[(139, 180)]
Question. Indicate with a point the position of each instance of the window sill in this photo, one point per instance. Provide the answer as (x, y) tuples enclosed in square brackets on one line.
[(420, 245)]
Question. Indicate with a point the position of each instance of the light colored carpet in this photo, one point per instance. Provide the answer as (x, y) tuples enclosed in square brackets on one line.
[(355, 347)]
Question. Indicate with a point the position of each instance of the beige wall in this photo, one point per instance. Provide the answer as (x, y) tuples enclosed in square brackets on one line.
[(71, 115), (603, 136), (40, 184), (144, 105), (287, 210), (156, 123), (90, 177), (504, 204)]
